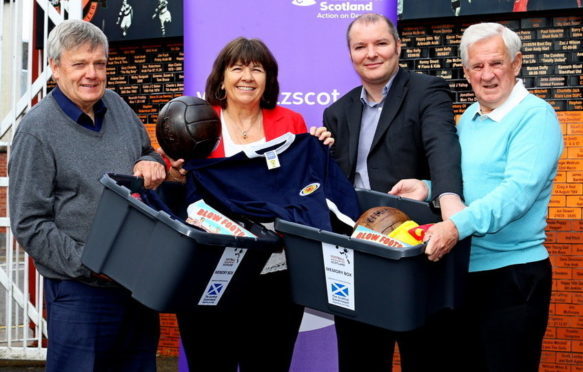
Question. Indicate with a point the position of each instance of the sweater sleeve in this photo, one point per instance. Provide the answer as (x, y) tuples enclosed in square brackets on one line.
[(32, 208), (533, 150)]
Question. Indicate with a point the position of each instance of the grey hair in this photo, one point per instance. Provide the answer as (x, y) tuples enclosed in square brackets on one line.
[(481, 31), (368, 18), (72, 33)]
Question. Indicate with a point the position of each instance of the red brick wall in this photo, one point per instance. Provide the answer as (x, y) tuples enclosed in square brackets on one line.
[(169, 335)]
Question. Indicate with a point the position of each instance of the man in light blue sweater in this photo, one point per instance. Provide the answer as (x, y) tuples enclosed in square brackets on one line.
[(511, 142), (62, 147)]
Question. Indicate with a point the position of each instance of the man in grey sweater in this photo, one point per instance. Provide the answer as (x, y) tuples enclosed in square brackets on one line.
[(61, 148)]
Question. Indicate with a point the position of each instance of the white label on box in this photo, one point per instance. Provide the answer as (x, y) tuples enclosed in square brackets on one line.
[(226, 268), (339, 269)]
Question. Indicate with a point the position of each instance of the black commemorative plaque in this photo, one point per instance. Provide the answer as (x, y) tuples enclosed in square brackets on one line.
[(415, 53), (537, 46), (443, 51), (151, 68), (165, 77), (551, 81), (568, 93), (554, 57), (161, 98), (574, 105), (152, 88), (534, 23), (567, 21), (137, 99), (551, 33), (526, 35), (538, 70), (140, 78), (174, 87), (443, 29), (529, 59), (543, 93), (125, 90), (568, 45)]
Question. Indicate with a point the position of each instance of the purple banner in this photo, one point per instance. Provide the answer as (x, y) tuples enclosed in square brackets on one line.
[(308, 39)]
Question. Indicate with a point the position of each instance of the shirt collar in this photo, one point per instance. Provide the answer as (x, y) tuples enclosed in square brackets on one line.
[(74, 112), (364, 98), (518, 93)]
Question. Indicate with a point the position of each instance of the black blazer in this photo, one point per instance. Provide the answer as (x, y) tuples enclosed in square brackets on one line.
[(415, 138)]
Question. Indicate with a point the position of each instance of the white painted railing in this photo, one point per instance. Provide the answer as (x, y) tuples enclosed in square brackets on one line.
[(23, 329)]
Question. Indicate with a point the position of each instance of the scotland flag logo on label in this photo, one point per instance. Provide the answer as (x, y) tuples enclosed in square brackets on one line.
[(339, 271), (339, 290), (215, 289), (224, 272)]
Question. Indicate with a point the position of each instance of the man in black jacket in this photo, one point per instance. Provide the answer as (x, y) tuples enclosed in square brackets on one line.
[(397, 125)]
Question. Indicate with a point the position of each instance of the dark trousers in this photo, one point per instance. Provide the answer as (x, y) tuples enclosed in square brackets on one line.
[(98, 329), (505, 318), (363, 347), (257, 335)]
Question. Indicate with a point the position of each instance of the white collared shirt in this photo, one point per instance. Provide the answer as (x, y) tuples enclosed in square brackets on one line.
[(518, 93), (369, 121)]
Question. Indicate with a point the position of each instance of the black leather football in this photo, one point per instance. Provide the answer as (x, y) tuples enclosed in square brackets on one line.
[(188, 127)]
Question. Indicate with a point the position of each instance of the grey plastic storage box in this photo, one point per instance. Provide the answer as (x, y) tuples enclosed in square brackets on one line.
[(394, 288), (164, 262)]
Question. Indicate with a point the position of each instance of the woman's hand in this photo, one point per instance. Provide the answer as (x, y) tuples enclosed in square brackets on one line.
[(175, 173), (323, 135)]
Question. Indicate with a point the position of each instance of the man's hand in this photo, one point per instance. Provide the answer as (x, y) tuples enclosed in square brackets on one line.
[(440, 239), (323, 135), (410, 188), (152, 172)]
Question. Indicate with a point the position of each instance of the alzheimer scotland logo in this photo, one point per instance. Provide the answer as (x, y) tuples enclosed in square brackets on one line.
[(304, 2), (339, 290)]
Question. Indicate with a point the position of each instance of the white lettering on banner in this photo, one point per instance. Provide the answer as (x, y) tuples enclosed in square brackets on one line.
[(346, 6), (301, 98), (224, 272), (339, 272), (328, 15), (309, 98)]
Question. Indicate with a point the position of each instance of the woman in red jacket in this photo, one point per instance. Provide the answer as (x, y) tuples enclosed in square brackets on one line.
[(243, 88)]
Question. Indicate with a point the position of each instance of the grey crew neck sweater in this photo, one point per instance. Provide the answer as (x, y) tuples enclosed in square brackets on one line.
[(54, 169)]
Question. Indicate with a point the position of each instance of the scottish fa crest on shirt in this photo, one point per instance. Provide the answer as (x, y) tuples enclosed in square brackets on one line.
[(311, 188)]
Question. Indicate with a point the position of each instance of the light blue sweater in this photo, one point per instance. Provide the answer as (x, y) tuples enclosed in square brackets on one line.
[(508, 167)]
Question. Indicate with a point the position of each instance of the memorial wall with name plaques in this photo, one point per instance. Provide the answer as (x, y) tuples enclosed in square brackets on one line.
[(149, 74)]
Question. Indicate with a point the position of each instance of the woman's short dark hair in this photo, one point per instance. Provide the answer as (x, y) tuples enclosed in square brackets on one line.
[(245, 51)]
